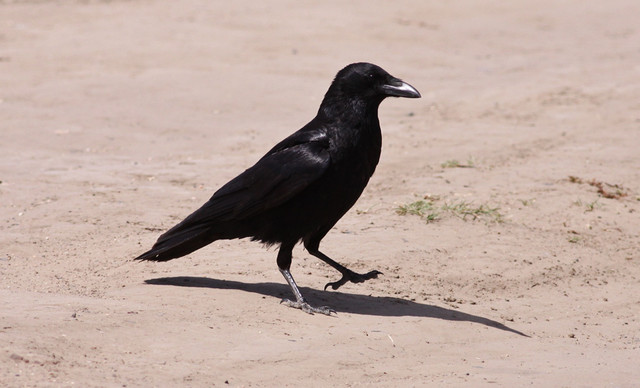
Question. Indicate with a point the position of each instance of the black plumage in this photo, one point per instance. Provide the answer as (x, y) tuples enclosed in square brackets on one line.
[(303, 185)]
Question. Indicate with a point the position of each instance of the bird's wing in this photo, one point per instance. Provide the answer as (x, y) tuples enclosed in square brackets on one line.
[(276, 178), (279, 176)]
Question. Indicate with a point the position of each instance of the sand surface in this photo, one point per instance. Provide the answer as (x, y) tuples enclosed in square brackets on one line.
[(118, 118)]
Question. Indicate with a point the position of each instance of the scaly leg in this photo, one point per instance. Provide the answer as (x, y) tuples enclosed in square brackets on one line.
[(347, 274), (284, 263), (300, 303)]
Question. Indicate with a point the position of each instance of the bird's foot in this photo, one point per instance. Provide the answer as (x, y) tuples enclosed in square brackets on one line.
[(353, 277), (307, 308)]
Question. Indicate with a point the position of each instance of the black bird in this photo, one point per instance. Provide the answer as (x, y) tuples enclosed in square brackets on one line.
[(303, 185)]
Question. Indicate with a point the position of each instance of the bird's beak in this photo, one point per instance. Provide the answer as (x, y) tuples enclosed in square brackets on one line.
[(399, 88)]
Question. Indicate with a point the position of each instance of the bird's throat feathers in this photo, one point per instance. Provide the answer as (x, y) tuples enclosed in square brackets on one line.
[(353, 125), (354, 111)]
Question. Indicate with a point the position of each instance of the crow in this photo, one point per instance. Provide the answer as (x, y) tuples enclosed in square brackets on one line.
[(303, 185)]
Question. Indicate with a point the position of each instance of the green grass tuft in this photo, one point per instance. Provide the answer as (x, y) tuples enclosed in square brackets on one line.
[(454, 163), (464, 209), (429, 211), (421, 208)]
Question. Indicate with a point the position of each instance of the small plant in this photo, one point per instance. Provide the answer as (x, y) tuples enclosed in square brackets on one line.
[(454, 163), (464, 209), (573, 238), (589, 206), (527, 202), (431, 217), (422, 208), (429, 211), (592, 205), (450, 164)]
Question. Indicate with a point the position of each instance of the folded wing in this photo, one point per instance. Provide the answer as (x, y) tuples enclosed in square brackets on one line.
[(278, 177)]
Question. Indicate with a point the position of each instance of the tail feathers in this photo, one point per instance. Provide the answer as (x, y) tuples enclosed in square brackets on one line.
[(171, 247), (200, 228)]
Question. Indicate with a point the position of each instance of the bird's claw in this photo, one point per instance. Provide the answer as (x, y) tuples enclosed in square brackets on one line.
[(353, 277), (307, 308)]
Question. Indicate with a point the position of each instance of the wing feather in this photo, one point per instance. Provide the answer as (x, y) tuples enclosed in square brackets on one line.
[(279, 176)]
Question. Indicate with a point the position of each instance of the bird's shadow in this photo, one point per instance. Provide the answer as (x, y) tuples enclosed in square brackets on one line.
[(339, 301)]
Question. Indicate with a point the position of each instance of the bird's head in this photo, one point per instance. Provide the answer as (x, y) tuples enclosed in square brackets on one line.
[(368, 81)]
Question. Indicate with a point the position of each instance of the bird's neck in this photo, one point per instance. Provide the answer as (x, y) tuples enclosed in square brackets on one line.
[(354, 124), (353, 111)]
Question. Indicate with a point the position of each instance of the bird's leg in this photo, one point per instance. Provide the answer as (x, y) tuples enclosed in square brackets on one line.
[(284, 262), (347, 274), (300, 303)]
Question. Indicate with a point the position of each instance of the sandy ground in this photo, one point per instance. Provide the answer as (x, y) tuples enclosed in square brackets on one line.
[(118, 118)]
